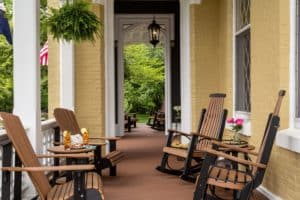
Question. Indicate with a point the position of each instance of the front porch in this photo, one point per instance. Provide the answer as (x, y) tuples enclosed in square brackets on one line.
[(217, 54)]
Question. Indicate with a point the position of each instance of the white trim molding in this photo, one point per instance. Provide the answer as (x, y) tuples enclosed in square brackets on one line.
[(67, 74), (267, 193), (26, 68), (289, 139), (109, 68), (165, 20), (185, 66), (195, 1), (294, 122), (100, 2)]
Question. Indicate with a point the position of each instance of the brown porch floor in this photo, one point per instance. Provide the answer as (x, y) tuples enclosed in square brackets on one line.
[(137, 178)]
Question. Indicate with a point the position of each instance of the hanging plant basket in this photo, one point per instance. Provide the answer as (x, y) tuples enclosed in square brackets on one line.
[(74, 21)]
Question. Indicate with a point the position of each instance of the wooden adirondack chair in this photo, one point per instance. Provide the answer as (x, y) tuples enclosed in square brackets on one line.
[(66, 120), (241, 182), (84, 186), (211, 127)]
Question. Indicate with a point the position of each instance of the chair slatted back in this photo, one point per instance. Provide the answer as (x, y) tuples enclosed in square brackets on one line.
[(213, 120), (66, 120), (17, 135), (270, 133)]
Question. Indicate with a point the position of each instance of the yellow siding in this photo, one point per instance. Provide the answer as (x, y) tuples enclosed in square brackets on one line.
[(89, 86), (53, 70), (211, 55), (204, 55), (270, 69), (225, 52), (89, 80)]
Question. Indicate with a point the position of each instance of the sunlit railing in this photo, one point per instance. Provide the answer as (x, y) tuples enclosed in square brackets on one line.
[(49, 128)]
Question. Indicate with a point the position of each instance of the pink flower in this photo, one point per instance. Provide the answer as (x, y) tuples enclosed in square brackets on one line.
[(230, 120), (239, 121)]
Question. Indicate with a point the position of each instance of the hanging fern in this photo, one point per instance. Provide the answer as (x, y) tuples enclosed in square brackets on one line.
[(75, 22)]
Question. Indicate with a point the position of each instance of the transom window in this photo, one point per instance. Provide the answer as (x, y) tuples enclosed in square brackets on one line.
[(242, 56)]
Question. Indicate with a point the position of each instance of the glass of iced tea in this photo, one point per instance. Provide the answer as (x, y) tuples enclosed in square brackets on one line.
[(85, 136), (67, 139)]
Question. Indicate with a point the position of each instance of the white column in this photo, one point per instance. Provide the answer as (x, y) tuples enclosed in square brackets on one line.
[(27, 69), (185, 66), (292, 67), (67, 80), (109, 68)]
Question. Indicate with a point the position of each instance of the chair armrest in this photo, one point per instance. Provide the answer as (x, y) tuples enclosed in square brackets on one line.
[(233, 158), (179, 132), (50, 168), (75, 155), (204, 136), (235, 148)]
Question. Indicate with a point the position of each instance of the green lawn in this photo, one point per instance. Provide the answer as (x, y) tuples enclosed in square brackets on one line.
[(142, 118)]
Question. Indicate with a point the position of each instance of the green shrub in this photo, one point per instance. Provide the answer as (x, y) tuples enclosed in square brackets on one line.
[(6, 74)]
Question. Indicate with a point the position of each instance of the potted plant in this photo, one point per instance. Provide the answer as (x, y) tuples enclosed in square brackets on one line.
[(74, 21), (236, 126)]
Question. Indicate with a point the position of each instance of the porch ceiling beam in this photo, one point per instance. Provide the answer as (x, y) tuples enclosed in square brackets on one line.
[(26, 46)]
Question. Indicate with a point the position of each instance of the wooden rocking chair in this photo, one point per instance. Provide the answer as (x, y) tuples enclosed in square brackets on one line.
[(66, 120), (241, 182), (210, 127), (153, 117), (84, 186)]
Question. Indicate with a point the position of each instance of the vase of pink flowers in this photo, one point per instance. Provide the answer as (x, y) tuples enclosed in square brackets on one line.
[(236, 126)]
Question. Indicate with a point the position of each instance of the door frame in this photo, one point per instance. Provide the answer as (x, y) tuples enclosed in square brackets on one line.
[(185, 65), (167, 21)]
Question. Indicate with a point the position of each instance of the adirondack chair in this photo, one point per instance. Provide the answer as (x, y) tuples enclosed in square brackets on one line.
[(84, 186), (242, 182), (211, 126), (66, 120)]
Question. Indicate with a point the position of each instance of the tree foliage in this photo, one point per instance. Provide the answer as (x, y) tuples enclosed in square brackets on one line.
[(6, 62), (6, 73), (144, 78)]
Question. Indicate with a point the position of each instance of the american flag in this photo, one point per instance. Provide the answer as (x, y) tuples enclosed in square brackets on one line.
[(4, 27), (44, 54)]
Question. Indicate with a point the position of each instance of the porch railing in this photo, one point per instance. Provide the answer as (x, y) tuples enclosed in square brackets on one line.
[(11, 182)]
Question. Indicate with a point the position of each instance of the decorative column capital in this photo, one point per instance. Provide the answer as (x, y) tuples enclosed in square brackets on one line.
[(195, 1), (100, 2)]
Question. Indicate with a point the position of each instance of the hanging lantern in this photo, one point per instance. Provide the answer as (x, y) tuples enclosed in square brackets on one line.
[(154, 31)]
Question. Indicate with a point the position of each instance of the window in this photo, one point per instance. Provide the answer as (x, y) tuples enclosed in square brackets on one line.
[(242, 56)]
